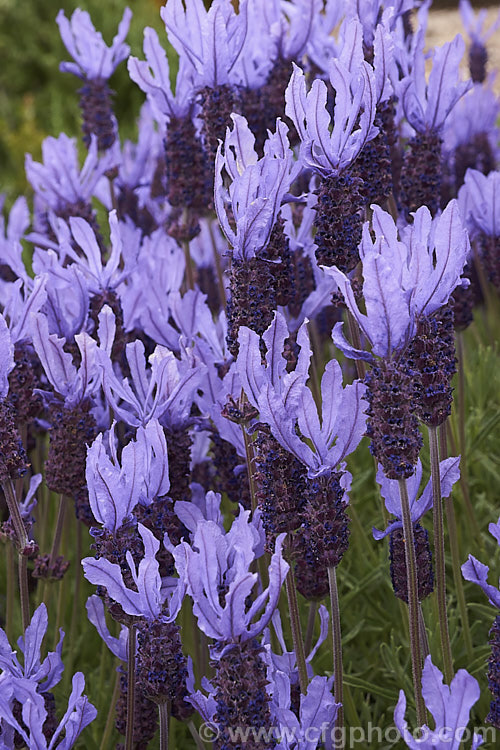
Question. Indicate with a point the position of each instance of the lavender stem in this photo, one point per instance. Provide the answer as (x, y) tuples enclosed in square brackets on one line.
[(298, 643), (163, 711)]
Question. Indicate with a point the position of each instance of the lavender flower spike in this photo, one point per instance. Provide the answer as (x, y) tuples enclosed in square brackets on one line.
[(152, 599), (219, 561), (426, 105), (324, 148), (449, 706), (92, 57), (389, 489), (115, 490), (257, 185), (403, 280), (27, 684)]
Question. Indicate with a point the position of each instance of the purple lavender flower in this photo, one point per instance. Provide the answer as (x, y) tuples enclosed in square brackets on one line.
[(164, 391), (284, 401), (219, 562), (324, 148), (403, 279), (475, 27), (151, 599), (94, 62), (419, 505), (257, 186), (477, 572), (59, 183), (449, 706), (480, 203), (29, 685), (426, 106), (92, 57)]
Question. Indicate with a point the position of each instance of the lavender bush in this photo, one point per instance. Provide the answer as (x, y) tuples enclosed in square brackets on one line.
[(204, 334)]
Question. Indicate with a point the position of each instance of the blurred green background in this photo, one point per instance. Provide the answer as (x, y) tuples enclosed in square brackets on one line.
[(35, 98)]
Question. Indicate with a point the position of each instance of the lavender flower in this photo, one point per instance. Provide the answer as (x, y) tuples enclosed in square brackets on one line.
[(114, 489), (480, 203), (419, 505), (60, 184), (150, 599), (30, 684), (475, 27), (403, 280), (449, 706), (426, 106), (94, 62)]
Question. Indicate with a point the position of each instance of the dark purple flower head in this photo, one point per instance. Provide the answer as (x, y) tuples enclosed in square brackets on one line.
[(257, 185), (325, 148), (216, 573), (427, 104), (93, 59), (449, 706), (389, 488), (403, 279)]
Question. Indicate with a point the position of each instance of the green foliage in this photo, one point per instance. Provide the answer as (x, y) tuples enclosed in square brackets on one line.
[(37, 100)]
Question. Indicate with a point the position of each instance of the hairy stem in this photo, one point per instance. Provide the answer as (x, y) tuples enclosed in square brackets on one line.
[(23, 590), (164, 712), (298, 642), (56, 541), (439, 555)]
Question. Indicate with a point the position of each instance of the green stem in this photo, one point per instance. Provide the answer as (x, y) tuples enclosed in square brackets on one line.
[(129, 736), (311, 618), (58, 532), (187, 254), (424, 641), (298, 642), (15, 514), (439, 555), (11, 577), (356, 342), (413, 603), (164, 712), (23, 590), (338, 671)]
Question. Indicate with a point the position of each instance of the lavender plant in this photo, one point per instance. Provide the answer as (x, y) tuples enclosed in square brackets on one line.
[(173, 358)]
